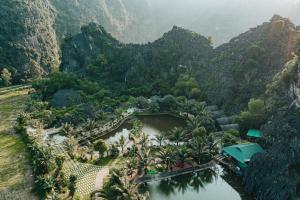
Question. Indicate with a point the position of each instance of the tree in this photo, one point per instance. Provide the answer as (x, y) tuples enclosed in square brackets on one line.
[(68, 129), (5, 77), (46, 184), (182, 153), (122, 143), (187, 85), (177, 135), (35, 70), (70, 145), (90, 125), (144, 159), (72, 185), (197, 147), (118, 187), (159, 138), (230, 137), (101, 147), (166, 155), (255, 116), (59, 160)]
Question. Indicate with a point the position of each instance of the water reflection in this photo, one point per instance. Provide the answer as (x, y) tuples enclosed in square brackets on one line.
[(152, 125), (204, 185)]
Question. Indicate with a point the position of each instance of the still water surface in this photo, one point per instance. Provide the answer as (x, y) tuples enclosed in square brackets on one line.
[(213, 184)]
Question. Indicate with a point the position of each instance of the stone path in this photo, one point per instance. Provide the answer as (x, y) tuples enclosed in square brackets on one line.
[(100, 178)]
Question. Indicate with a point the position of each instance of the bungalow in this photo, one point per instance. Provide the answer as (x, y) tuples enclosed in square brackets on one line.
[(241, 154), (252, 133)]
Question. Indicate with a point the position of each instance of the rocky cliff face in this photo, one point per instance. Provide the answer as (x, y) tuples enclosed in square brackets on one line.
[(94, 49), (28, 43), (31, 31), (243, 66), (125, 20), (248, 62), (275, 174)]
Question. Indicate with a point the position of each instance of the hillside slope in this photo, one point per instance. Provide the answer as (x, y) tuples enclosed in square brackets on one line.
[(248, 63), (28, 43), (97, 55), (275, 173), (243, 66)]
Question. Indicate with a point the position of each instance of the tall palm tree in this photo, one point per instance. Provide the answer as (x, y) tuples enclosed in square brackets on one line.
[(177, 135), (193, 123), (122, 189), (159, 138), (122, 143), (166, 155), (212, 144), (182, 155), (197, 148), (144, 159), (144, 140), (71, 145)]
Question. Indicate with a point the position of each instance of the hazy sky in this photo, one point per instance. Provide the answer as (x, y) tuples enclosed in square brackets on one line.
[(222, 19)]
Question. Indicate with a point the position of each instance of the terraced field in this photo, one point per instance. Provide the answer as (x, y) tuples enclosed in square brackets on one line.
[(15, 176)]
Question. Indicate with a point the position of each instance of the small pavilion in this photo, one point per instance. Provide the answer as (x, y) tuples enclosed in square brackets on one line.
[(252, 133), (241, 154)]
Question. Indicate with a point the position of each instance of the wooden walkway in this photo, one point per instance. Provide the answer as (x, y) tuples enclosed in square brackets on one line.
[(167, 175), (103, 132), (220, 159)]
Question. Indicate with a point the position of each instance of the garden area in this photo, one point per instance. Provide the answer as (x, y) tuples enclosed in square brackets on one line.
[(85, 139)]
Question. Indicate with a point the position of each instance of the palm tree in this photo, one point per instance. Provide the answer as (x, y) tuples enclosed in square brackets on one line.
[(59, 160), (144, 159), (193, 123), (47, 183), (90, 125), (144, 140), (166, 155), (120, 188), (212, 144), (42, 159), (159, 138), (70, 145), (68, 129), (101, 147), (182, 154), (129, 168), (177, 135), (122, 143), (72, 185), (197, 148)]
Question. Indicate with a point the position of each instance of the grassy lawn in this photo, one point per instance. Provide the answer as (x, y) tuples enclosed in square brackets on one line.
[(15, 179)]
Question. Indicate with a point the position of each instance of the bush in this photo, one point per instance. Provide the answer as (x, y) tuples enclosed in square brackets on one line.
[(255, 116)]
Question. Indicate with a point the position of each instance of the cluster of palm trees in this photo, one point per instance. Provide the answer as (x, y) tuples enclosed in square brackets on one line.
[(119, 187), (193, 144)]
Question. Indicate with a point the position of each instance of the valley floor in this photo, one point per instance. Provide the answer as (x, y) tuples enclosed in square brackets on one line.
[(15, 175)]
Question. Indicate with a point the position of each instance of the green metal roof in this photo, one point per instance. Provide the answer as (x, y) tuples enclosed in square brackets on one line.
[(242, 152), (254, 133)]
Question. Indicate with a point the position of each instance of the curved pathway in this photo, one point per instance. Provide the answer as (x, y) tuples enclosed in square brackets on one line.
[(102, 174)]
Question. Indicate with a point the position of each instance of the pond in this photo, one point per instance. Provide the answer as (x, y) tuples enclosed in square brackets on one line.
[(212, 184), (152, 125), (206, 185)]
